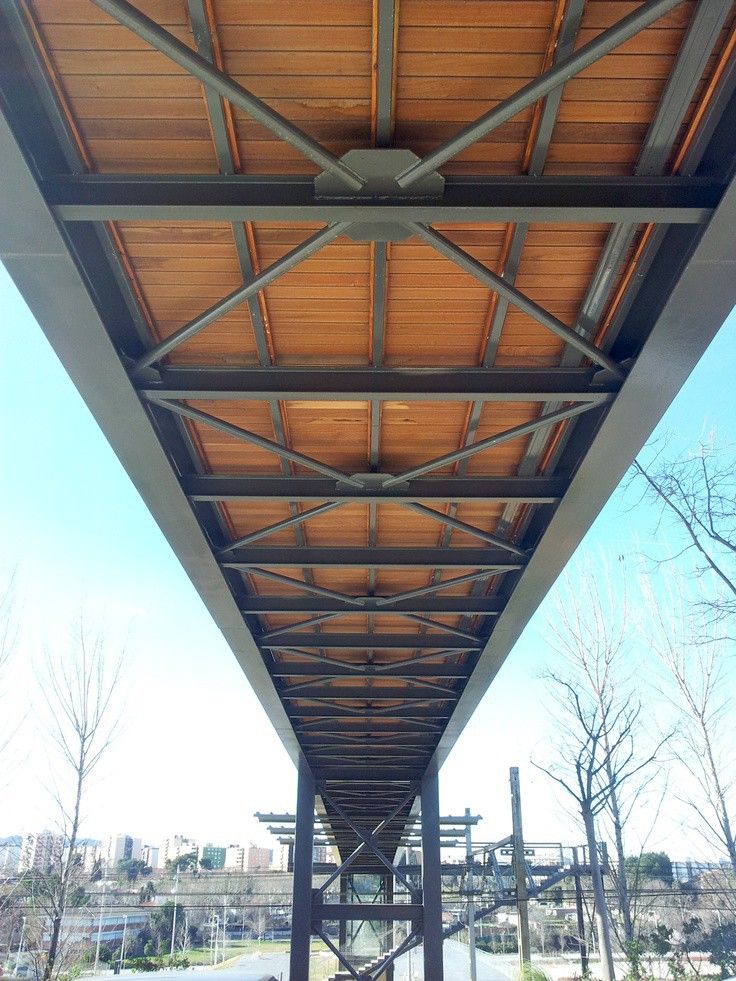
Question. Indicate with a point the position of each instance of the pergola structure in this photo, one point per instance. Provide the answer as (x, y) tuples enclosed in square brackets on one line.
[(375, 301)]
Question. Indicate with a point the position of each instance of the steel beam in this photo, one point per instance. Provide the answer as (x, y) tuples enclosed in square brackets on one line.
[(240, 295), (499, 285), (367, 911), (223, 487), (524, 429), (295, 519), (206, 72), (538, 88), (301, 910), (693, 271), (291, 668), (431, 876), (314, 691), (47, 267), (467, 529), (378, 641), (378, 557), (470, 200), (486, 605), (246, 436), (381, 384)]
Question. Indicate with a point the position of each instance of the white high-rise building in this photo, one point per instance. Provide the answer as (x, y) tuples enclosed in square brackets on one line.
[(40, 852), (120, 848), (178, 845), (149, 855), (235, 858), (283, 857), (88, 851)]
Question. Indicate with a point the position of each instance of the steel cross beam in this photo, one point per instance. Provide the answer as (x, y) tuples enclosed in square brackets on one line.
[(206, 72), (267, 444), (380, 384), (222, 487), (539, 87), (259, 603), (327, 667), (356, 557), (466, 199), (367, 839), (295, 519), (200, 12), (302, 251), (499, 285)]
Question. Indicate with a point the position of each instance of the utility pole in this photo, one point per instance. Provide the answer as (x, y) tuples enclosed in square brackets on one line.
[(522, 900), (99, 923), (471, 901), (582, 945), (122, 945), (20, 945), (224, 927)]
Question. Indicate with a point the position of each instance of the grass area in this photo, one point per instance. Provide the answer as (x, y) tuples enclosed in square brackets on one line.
[(321, 966)]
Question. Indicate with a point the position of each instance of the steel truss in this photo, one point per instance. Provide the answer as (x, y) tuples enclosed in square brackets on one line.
[(601, 402)]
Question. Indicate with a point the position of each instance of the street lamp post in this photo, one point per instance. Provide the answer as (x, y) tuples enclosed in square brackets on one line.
[(99, 924), (20, 943), (471, 901), (173, 919), (122, 945)]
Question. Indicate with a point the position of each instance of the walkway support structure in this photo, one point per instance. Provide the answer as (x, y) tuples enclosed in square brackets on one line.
[(520, 873), (376, 303), (301, 909), (432, 876)]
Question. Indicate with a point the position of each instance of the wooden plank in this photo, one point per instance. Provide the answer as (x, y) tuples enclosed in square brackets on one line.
[(522, 14), (114, 62)]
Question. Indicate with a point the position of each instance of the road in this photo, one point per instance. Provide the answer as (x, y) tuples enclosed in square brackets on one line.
[(490, 967)]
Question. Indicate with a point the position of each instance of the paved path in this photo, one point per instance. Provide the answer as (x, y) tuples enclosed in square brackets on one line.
[(490, 967)]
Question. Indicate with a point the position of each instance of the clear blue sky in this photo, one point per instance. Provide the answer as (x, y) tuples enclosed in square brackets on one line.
[(196, 745)]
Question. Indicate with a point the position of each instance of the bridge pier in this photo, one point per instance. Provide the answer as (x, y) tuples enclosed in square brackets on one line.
[(301, 910), (431, 876)]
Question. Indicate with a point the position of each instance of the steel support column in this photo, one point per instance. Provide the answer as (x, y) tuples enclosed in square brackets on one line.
[(343, 925), (432, 876), (301, 910)]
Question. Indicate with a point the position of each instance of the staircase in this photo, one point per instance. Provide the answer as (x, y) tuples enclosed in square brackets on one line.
[(365, 969)]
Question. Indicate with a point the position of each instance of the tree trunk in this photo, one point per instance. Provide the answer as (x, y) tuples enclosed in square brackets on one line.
[(601, 909), (622, 886), (64, 879), (719, 804)]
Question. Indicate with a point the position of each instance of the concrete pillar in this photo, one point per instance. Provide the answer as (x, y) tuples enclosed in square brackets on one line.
[(301, 910), (432, 876)]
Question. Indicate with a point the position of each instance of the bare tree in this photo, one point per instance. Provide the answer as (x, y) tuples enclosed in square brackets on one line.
[(589, 632), (79, 687), (596, 756), (696, 492), (698, 681)]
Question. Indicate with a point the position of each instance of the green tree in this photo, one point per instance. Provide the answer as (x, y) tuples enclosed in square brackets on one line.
[(184, 863), (147, 893), (720, 943), (162, 924), (650, 865), (131, 868)]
